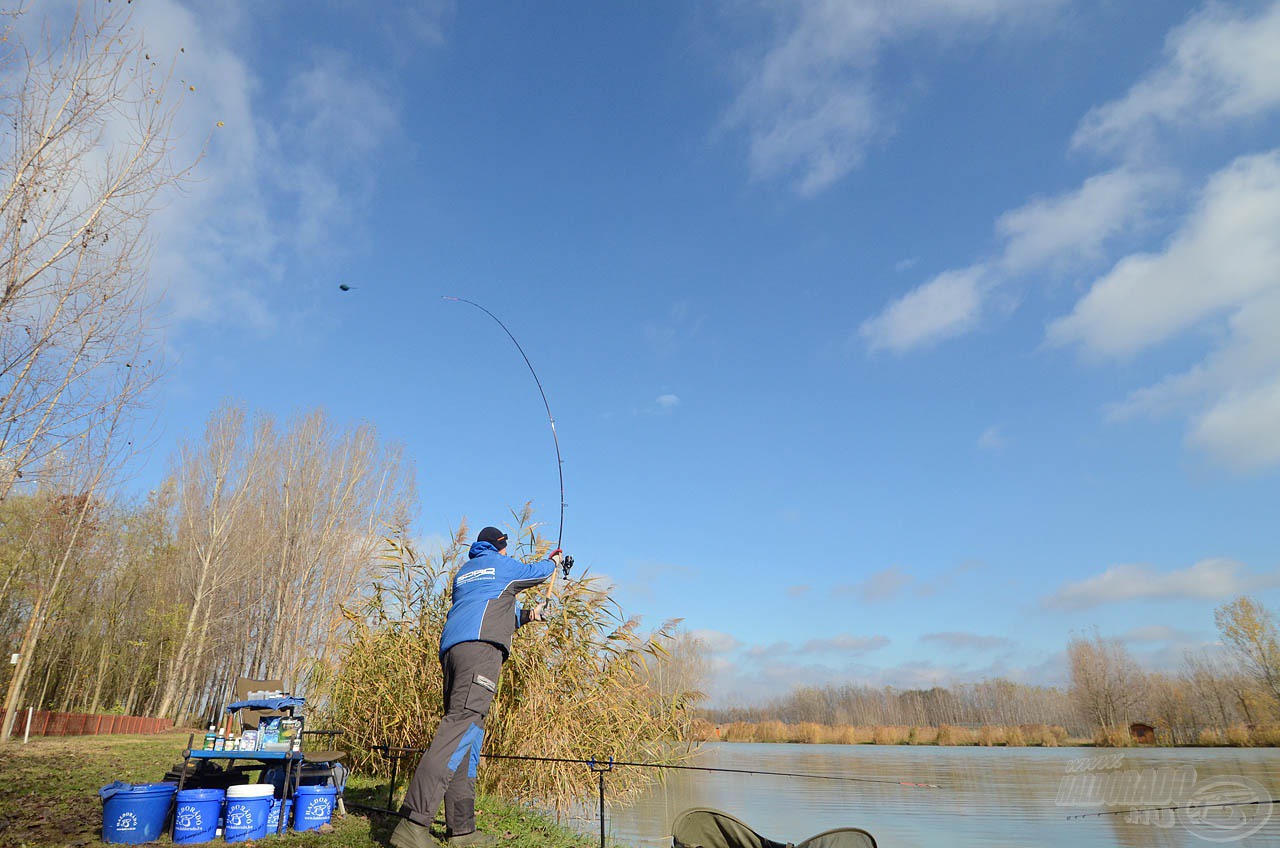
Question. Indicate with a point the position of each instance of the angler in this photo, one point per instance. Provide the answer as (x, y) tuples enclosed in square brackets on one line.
[(473, 645)]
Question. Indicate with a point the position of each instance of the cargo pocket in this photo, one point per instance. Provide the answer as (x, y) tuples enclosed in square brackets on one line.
[(480, 694)]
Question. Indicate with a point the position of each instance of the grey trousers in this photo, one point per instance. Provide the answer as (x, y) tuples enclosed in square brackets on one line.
[(447, 771)]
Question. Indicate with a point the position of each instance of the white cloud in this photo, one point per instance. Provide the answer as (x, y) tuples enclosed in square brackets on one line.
[(1209, 579), (991, 439), (1222, 65), (1060, 233), (664, 404), (1220, 270), (812, 106), (1226, 253), (883, 585), (962, 641), (1070, 229), (1150, 633), (843, 645), (1240, 430), (716, 641), (946, 306)]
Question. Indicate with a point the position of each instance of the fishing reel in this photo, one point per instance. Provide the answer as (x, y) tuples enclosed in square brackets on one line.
[(565, 565)]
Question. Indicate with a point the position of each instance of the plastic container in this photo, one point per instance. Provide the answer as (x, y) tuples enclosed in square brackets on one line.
[(248, 806), (273, 818), (133, 813), (195, 818), (313, 806)]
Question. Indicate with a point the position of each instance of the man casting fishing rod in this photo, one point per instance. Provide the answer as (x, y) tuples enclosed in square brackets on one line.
[(473, 645)]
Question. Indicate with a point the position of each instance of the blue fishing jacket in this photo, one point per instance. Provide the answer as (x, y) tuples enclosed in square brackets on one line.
[(485, 608)]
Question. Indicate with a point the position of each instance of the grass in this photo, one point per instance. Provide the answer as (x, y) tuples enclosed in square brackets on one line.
[(49, 797)]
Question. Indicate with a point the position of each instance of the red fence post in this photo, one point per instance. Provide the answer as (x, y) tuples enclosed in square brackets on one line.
[(41, 721)]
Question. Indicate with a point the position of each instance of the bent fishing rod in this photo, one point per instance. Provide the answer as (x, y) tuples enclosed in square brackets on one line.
[(568, 561)]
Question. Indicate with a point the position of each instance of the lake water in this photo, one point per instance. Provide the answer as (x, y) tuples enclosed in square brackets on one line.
[(987, 797)]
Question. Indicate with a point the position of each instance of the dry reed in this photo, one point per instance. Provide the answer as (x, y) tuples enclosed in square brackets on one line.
[(572, 688)]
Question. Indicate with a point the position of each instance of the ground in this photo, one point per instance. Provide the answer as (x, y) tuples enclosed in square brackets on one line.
[(49, 797)]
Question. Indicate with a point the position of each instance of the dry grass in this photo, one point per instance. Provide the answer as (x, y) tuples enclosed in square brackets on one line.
[(1238, 736), (1112, 737), (1210, 737), (922, 736), (890, 735), (572, 688)]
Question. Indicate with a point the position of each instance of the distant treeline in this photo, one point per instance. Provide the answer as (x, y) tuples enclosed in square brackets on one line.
[(992, 702), (998, 701), (987, 735), (1227, 697)]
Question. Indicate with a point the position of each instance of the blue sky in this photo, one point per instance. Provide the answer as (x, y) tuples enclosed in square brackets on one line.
[(889, 341)]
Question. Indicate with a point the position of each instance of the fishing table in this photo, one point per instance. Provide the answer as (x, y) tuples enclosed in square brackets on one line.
[(291, 760)]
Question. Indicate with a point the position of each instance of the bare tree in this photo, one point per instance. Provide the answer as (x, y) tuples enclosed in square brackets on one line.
[(1106, 684), (84, 158), (214, 482)]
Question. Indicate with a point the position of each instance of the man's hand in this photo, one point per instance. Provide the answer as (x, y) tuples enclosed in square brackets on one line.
[(557, 556), (539, 612)]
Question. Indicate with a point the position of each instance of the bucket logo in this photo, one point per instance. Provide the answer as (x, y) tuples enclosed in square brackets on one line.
[(238, 816), (127, 821), (318, 808), (189, 818)]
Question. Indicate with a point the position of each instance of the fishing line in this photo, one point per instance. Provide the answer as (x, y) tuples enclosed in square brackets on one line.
[(551, 418), (885, 781), (391, 750)]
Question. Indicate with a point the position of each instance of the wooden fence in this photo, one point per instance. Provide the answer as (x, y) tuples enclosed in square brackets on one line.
[(46, 723)]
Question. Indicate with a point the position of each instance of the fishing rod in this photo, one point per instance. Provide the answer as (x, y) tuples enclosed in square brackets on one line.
[(568, 561), (1180, 808)]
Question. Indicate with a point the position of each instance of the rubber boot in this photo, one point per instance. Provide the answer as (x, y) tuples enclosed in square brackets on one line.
[(474, 839), (410, 834)]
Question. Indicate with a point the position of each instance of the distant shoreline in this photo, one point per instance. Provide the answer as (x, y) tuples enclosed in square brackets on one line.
[(989, 736)]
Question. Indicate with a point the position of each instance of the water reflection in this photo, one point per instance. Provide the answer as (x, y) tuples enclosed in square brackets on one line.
[(989, 796)]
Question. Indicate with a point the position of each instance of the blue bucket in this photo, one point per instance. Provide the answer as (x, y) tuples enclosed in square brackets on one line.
[(246, 818), (133, 813), (195, 819), (273, 818), (313, 806)]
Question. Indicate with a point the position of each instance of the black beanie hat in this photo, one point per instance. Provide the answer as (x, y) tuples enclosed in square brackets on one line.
[(493, 536)]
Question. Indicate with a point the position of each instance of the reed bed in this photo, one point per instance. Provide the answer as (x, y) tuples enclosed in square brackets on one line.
[(575, 687)]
